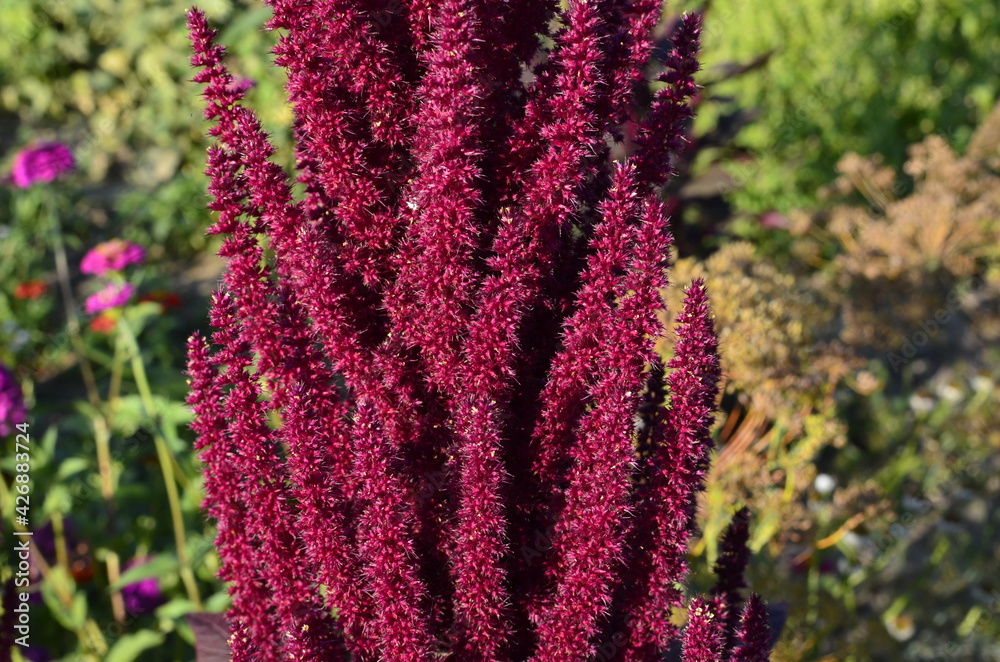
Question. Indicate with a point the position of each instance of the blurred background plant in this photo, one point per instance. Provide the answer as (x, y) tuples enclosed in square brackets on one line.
[(111, 78), (834, 231), (120, 553), (861, 369), (865, 76)]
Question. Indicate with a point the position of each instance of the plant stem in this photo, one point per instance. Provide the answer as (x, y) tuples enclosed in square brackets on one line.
[(101, 433), (114, 386), (69, 301), (103, 438), (114, 572), (166, 462), (59, 532)]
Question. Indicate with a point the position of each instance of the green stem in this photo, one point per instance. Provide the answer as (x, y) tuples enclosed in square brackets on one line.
[(69, 301), (62, 555), (102, 436), (114, 387), (166, 462), (101, 432)]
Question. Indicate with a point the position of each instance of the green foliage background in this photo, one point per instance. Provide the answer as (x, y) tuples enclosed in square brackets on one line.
[(869, 76), (111, 78)]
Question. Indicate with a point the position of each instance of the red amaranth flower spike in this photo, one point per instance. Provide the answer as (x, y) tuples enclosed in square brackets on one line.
[(253, 620), (432, 294), (754, 634), (729, 569), (432, 352), (662, 132), (666, 503), (704, 638), (590, 533)]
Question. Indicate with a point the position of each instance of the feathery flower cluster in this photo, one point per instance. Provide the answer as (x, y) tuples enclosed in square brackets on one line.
[(453, 325), (41, 163)]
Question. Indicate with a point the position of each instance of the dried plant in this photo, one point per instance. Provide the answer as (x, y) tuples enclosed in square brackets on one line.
[(917, 251), (875, 276)]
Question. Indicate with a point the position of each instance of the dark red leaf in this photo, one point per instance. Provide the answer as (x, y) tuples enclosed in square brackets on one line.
[(211, 637)]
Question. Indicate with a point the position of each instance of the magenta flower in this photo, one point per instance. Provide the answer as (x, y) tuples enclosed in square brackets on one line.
[(754, 634), (112, 255), (144, 595), (12, 410), (112, 295), (704, 636), (729, 570), (42, 163), (241, 84)]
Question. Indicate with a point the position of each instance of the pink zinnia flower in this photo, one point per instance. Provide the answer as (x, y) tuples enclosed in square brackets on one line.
[(42, 163), (112, 255), (112, 296)]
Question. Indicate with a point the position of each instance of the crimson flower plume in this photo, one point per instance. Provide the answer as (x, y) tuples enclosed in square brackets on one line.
[(418, 407)]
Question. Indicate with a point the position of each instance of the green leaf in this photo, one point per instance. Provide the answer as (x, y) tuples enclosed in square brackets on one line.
[(130, 646), (57, 500), (59, 583), (174, 442), (177, 413), (175, 609), (219, 602), (128, 416), (78, 611), (245, 25), (48, 447), (160, 565), (140, 314), (71, 466)]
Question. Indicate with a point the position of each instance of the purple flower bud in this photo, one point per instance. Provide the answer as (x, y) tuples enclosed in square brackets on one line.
[(730, 568), (754, 634), (144, 595), (12, 409)]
